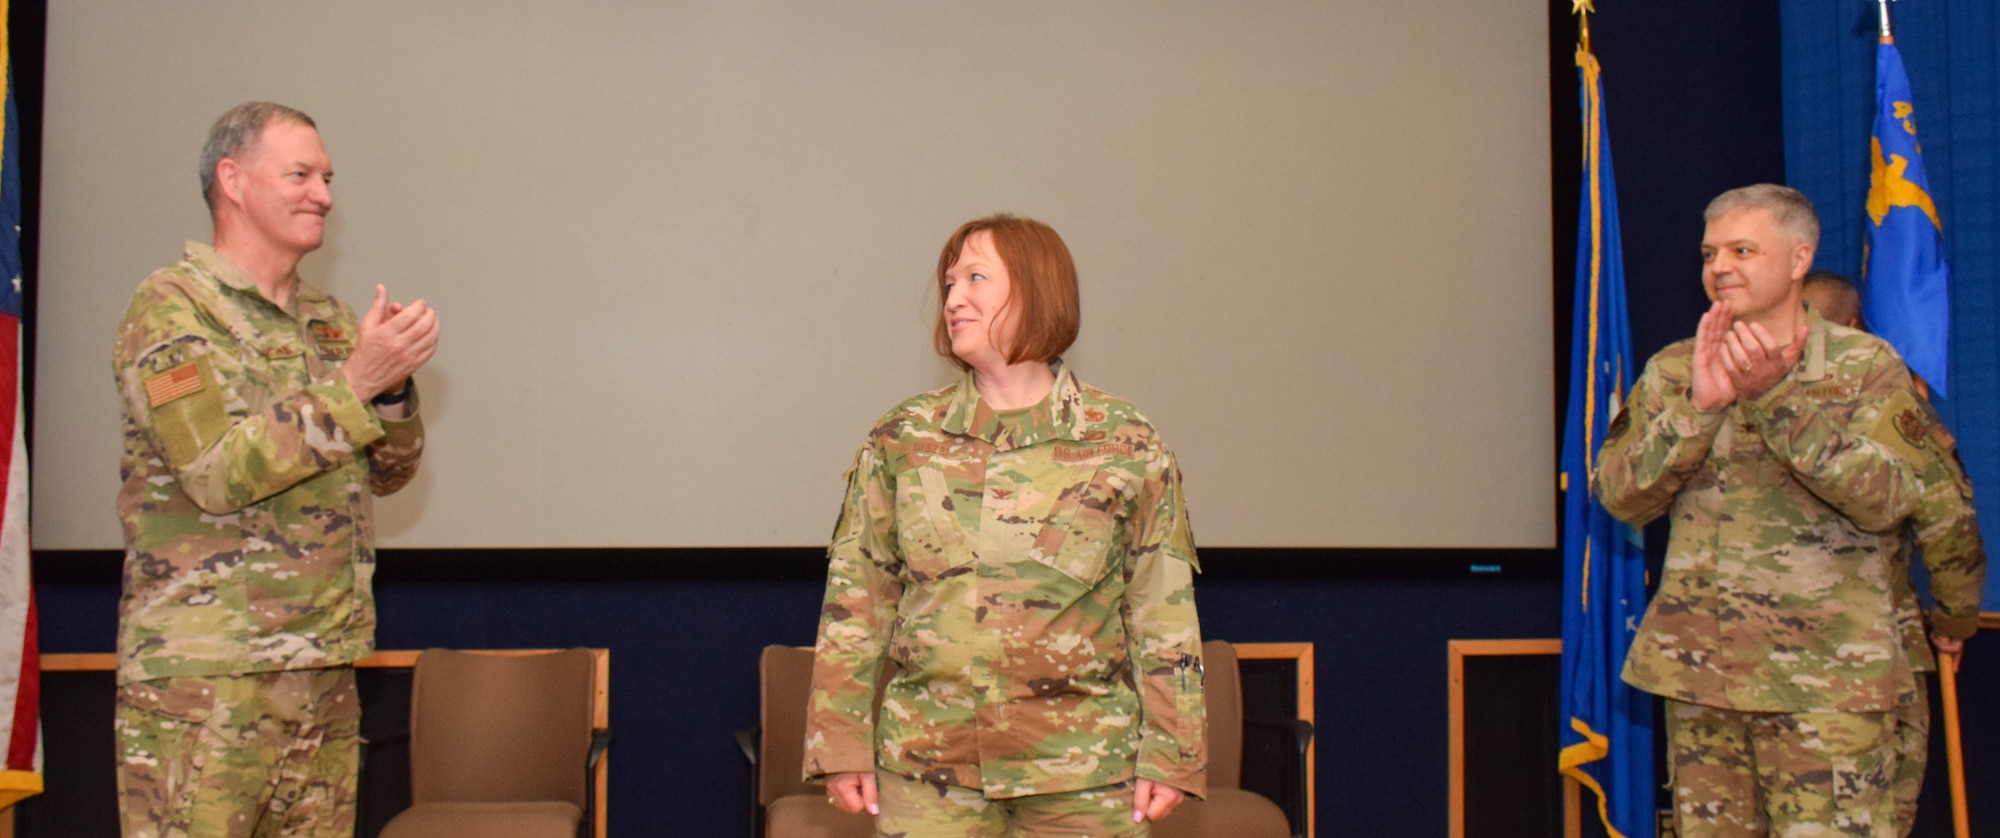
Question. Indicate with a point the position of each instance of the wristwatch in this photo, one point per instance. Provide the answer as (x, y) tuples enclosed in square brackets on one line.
[(398, 397)]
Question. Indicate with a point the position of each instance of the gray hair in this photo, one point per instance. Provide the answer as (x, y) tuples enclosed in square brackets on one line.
[(237, 130), (1789, 207)]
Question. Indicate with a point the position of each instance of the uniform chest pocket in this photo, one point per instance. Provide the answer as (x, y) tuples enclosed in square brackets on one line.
[(1082, 534), (927, 529), (274, 364)]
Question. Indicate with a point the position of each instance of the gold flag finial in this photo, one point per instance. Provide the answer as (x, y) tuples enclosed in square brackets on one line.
[(1583, 9)]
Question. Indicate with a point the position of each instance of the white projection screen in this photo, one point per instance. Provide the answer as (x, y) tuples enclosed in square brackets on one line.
[(682, 250)]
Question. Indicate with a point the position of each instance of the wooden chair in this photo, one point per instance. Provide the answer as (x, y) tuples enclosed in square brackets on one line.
[(1229, 811), (782, 804), (501, 746)]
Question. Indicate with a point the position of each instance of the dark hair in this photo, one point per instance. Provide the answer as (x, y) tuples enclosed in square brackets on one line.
[(1845, 308), (1044, 287)]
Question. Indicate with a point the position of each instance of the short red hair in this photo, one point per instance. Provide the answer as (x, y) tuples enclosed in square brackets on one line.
[(1043, 280)]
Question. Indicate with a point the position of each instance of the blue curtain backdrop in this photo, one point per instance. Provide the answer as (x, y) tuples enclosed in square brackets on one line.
[(1951, 49)]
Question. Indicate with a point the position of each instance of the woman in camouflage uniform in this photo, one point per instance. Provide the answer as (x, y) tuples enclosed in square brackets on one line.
[(1016, 545)]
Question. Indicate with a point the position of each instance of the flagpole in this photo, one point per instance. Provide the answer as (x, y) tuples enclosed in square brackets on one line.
[(1954, 749), (1583, 11), (1947, 662)]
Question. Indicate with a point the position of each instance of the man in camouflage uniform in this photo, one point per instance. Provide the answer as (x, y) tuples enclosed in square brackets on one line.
[(1945, 529), (1789, 453), (261, 417)]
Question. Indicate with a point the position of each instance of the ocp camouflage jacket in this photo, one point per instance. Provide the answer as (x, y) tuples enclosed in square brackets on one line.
[(1777, 594), (1031, 578), (249, 474)]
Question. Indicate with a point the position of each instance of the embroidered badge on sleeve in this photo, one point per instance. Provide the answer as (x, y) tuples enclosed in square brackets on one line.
[(180, 381)]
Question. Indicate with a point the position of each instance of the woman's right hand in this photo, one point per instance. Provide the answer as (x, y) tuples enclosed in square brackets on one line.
[(853, 791)]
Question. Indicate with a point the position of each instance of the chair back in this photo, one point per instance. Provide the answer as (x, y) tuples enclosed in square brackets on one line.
[(1224, 694), (494, 728), (787, 689)]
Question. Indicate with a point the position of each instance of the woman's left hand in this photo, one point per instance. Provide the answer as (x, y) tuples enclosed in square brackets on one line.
[(1152, 801)]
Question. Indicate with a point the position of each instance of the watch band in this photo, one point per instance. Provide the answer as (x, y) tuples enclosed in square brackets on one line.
[(398, 397)]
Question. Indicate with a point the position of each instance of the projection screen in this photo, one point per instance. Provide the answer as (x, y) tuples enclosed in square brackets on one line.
[(682, 250)]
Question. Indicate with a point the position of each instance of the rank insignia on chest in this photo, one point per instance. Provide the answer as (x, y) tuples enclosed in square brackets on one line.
[(180, 381), (329, 333)]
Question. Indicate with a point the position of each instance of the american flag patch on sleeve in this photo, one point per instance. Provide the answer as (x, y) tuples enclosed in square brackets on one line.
[(173, 384)]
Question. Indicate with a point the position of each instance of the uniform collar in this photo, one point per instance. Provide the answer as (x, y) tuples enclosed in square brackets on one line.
[(219, 266), (1060, 416), (306, 300), (1814, 357)]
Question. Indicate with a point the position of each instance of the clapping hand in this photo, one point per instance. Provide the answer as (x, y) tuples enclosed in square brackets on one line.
[(395, 340)]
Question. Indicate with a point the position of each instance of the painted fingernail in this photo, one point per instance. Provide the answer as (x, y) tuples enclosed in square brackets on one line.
[(874, 808), (1138, 816)]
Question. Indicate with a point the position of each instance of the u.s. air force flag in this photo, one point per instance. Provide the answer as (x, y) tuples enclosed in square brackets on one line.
[(1906, 297), (1607, 728)]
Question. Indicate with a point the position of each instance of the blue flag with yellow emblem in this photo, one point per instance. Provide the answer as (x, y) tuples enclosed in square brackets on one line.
[(1607, 727), (1906, 294)]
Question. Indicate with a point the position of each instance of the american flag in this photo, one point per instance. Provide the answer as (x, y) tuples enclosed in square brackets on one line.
[(20, 659)]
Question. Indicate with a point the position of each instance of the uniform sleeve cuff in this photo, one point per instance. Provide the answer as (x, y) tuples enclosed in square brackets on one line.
[(410, 410), (1762, 406), (347, 409), (819, 766), (1953, 628), (1690, 422), (1193, 783)]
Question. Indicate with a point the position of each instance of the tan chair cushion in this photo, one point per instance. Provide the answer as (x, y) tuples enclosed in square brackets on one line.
[(493, 728), (810, 816), (1232, 812), (539, 819)]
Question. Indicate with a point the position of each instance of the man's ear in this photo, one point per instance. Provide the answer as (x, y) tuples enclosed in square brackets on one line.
[(229, 180), (1802, 259)]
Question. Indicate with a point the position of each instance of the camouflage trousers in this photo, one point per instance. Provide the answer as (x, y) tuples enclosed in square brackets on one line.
[(239, 756), (1913, 748), (1787, 775), (916, 809)]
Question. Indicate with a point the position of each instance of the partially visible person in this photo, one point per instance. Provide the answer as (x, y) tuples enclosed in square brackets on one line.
[(1789, 452), (1945, 531), (1834, 297), (261, 418), (1015, 545)]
